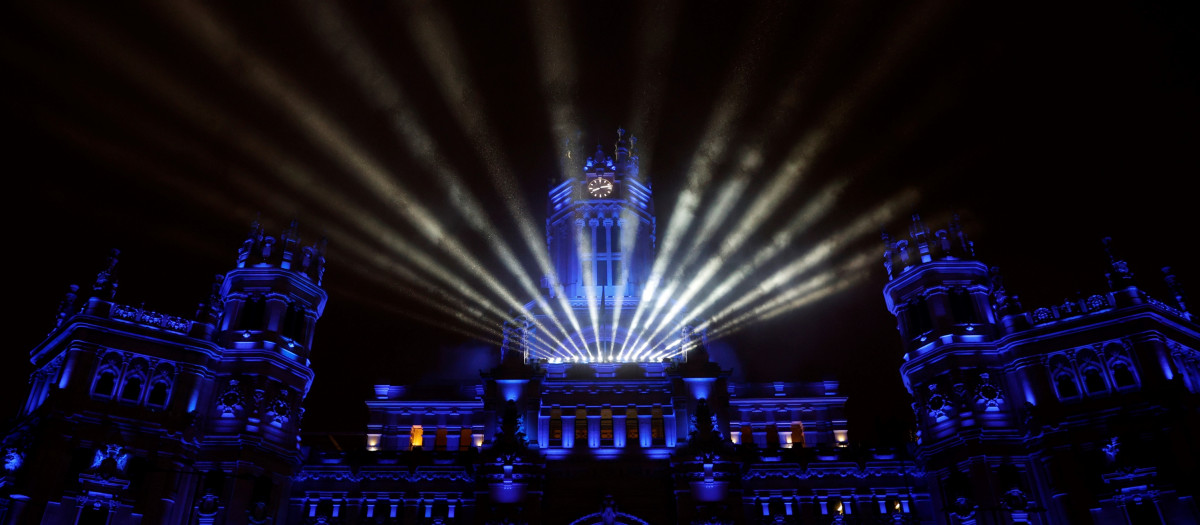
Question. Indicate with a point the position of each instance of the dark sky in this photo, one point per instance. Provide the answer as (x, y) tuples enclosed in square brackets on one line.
[(164, 131)]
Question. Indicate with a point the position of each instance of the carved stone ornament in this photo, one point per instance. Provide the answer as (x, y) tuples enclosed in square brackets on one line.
[(230, 401), (936, 405)]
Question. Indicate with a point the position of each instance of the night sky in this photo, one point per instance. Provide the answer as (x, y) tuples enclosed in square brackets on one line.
[(164, 131)]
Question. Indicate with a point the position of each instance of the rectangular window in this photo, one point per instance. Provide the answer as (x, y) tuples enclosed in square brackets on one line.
[(602, 272), (658, 427), (440, 439), (416, 437), (581, 424), (772, 436), (797, 434), (962, 306), (631, 426), (464, 439), (556, 427), (606, 427)]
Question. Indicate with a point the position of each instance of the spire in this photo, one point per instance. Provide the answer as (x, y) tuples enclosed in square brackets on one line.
[(252, 240), (960, 246), (209, 310), (1176, 288), (1119, 276), (105, 286), (66, 308), (290, 239), (622, 147), (920, 235)]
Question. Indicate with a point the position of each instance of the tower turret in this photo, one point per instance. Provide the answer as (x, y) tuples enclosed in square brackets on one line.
[(938, 292), (962, 393), (269, 303), (600, 232)]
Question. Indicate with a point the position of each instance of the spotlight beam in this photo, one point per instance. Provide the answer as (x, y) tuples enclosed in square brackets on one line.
[(326, 133), (864, 224), (713, 145), (444, 58)]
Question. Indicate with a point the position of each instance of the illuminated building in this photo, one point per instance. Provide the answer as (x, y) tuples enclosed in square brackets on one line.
[(1083, 412)]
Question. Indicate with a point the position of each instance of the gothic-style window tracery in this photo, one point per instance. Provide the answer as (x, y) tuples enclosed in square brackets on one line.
[(160, 385), (105, 382), (1120, 365), (1122, 376), (1094, 380), (1065, 385), (158, 394), (135, 379), (1063, 373)]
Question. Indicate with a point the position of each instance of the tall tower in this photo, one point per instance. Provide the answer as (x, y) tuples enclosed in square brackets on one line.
[(270, 303), (136, 416), (600, 233), (967, 427)]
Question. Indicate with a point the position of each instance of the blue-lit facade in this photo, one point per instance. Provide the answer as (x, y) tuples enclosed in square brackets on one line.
[(1083, 412)]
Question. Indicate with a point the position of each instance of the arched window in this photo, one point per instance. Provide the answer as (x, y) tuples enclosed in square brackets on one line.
[(253, 312), (293, 321), (105, 383), (1122, 376), (1120, 366), (160, 385), (132, 391), (158, 394), (1093, 380), (616, 238), (962, 306), (917, 317), (1065, 384)]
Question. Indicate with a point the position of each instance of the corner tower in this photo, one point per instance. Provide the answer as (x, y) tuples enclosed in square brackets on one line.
[(968, 432), (136, 416), (269, 305)]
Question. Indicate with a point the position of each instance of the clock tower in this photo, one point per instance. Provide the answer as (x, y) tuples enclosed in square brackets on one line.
[(600, 233)]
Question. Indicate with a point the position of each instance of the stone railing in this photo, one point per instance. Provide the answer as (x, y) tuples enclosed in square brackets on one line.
[(145, 317)]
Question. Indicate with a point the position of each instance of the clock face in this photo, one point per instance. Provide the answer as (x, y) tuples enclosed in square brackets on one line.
[(600, 187)]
